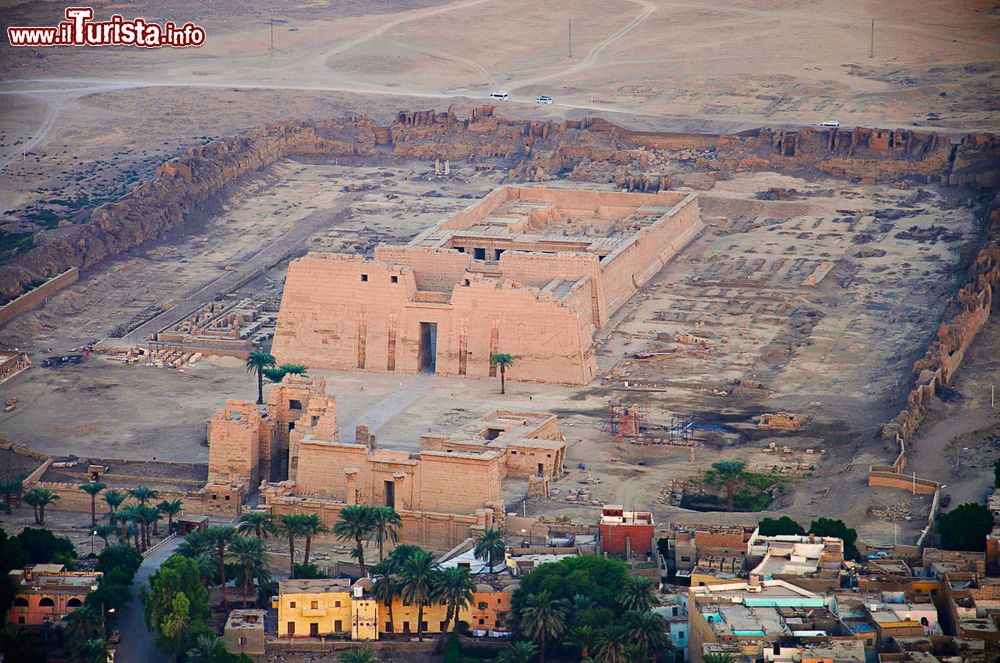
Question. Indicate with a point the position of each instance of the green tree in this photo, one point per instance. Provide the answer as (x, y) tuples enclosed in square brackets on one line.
[(114, 498), (489, 547), (544, 619), (385, 590), (729, 471), (84, 623), (292, 525), (170, 508), (996, 476), (837, 528), (12, 556), (611, 644), (258, 522), (294, 369), (385, 523), (41, 546), (965, 527), (780, 526), (645, 629), (38, 499), (502, 361), (274, 374), (257, 361), (313, 526), (93, 489), (637, 594), (123, 559), (10, 488), (519, 652), (594, 577), (143, 494), (221, 536), (176, 605), (18, 646), (104, 531), (357, 656), (94, 650), (582, 639), (354, 522), (417, 578), (208, 648), (454, 586), (249, 553), (717, 657)]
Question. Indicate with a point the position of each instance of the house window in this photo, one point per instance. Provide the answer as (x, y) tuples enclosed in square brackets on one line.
[(388, 627), (291, 628), (227, 497), (364, 277), (47, 603), (314, 604), (291, 604), (20, 620), (481, 621), (513, 453), (482, 605), (294, 404), (443, 625), (314, 630), (423, 626), (338, 626), (394, 279)]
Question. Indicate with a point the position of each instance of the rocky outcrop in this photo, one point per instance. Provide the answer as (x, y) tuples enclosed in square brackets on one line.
[(176, 193)]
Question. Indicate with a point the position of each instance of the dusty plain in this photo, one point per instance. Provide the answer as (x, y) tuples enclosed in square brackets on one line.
[(81, 126)]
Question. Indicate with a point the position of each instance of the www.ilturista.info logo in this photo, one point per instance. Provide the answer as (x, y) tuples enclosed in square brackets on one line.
[(80, 30)]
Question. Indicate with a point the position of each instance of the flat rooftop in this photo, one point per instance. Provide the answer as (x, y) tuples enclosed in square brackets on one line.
[(549, 221), (314, 586)]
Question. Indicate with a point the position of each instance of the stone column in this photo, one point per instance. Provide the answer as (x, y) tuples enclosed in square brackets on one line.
[(352, 485)]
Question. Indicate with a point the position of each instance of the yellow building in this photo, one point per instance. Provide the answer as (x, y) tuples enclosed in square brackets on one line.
[(314, 608)]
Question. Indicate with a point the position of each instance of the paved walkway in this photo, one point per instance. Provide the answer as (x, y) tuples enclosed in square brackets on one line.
[(387, 409), (137, 644)]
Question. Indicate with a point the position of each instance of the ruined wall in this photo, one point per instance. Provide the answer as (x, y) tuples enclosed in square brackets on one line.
[(37, 296), (234, 443)]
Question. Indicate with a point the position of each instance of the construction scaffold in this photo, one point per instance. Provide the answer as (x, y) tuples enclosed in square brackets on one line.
[(631, 423)]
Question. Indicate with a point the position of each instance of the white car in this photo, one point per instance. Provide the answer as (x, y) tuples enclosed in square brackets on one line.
[(499, 96), (544, 99), (830, 123)]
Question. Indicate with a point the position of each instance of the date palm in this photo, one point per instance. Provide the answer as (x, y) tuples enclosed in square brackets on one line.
[(386, 524), (207, 648), (114, 498), (258, 522), (249, 553), (143, 494), (521, 651), (257, 361), (292, 526), (385, 590), (729, 471), (104, 531), (354, 523), (417, 578), (38, 499), (93, 489), (611, 645), (357, 656), (313, 526), (544, 619), (84, 623), (502, 361), (92, 651), (645, 629), (221, 536), (10, 488), (170, 508), (637, 594), (717, 657), (583, 638), (294, 369), (454, 586), (490, 546)]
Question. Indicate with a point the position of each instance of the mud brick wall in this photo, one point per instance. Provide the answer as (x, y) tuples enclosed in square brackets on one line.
[(37, 296), (234, 444)]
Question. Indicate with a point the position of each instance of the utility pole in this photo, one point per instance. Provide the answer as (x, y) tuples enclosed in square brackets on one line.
[(871, 48), (571, 39)]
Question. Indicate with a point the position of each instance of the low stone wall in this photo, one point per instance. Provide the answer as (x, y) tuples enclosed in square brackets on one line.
[(37, 296), (317, 645)]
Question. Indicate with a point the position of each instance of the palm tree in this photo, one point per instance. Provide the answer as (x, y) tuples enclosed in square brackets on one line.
[(294, 369), (38, 499), (354, 522), (120, 520), (292, 526), (521, 651), (357, 656), (17, 645), (150, 516), (131, 514), (84, 623), (249, 552), (645, 629), (583, 638), (417, 578), (114, 498), (92, 489), (385, 590), (257, 361), (503, 361), (258, 522), (207, 568), (206, 649), (717, 657), (580, 602), (729, 471), (10, 488), (170, 508), (611, 645), (273, 374), (544, 618), (194, 544), (313, 526), (143, 493), (92, 651), (637, 594), (386, 524), (454, 586), (104, 531), (221, 536), (490, 546)]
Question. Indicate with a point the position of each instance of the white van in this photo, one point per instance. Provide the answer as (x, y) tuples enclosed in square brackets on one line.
[(830, 123), (499, 96)]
